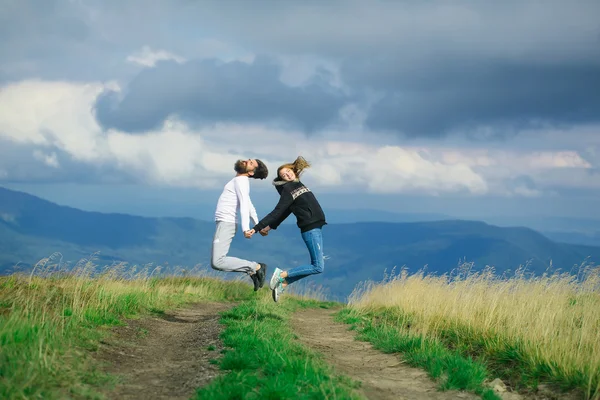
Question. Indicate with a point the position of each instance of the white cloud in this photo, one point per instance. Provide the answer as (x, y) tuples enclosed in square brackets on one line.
[(388, 169), (407, 170), (546, 169), (298, 70), (148, 57), (50, 160), (558, 159), (57, 118), (52, 114), (516, 160), (526, 192), (172, 156)]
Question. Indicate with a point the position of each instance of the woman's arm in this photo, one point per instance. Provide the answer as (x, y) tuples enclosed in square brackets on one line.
[(286, 214), (278, 214)]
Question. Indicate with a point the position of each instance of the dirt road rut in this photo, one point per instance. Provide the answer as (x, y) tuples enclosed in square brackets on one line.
[(383, 376), (167, 356)]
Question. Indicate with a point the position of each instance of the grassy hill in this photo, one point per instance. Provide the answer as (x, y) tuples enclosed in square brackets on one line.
[(32, 228), (51, 329), (464, 332), (527, 331)]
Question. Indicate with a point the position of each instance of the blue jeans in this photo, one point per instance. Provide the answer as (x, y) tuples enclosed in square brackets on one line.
[(314, 243)]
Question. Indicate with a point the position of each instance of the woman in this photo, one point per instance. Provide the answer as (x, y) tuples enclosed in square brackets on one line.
[(297, 199)]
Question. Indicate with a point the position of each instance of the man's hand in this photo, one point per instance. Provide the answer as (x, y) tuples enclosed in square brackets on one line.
[(265, 231), (248, 234)]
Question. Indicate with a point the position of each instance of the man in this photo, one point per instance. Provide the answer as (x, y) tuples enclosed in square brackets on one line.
[(236, 196)]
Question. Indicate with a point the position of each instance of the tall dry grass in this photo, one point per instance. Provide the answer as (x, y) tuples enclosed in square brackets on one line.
[(308, 290), (553, 320)]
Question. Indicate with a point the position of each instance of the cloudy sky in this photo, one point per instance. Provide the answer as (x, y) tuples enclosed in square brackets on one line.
[(458, 107)]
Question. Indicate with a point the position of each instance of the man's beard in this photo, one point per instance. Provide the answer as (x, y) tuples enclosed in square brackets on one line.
[(240, 167)]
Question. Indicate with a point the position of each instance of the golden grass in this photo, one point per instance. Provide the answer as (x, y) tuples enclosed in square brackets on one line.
[(307, 291), (554, 318)]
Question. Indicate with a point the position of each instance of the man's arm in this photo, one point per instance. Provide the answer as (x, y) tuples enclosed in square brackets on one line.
[(282, 207), (242, 190), (253, 213)]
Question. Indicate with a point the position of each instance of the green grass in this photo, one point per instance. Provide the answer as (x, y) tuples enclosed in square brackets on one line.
[(48, 326), (491, 357), (451, 368), (264, 361), (509, 361)]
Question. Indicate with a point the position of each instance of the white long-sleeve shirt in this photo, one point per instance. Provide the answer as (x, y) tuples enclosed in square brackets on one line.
[(236, 196)]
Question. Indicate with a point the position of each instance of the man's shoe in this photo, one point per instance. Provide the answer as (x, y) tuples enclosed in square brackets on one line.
[(255, 280), (275, 279), (262, 273)]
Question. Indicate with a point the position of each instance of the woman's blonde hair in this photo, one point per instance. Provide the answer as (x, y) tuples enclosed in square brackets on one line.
[(299, 165)]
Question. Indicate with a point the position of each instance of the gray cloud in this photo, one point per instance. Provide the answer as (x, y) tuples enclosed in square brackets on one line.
[(207, 91), (55, 39), (84, 40), (340, 29), (458, 95), (438, 66), (443, 66)]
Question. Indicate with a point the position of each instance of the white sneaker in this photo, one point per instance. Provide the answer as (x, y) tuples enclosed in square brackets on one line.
[(275, 280), (278, 291)]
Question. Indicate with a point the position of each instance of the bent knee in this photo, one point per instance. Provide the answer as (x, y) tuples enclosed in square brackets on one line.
[(318, 268), (217, 264)]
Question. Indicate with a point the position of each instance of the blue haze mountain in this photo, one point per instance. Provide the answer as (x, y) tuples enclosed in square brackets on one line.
[(32, 228)]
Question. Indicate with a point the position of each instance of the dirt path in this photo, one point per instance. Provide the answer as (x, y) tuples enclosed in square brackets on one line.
[(383, 376), (164, 357)]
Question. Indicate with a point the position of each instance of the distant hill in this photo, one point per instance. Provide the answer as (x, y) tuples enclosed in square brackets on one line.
[(344, 216), (561, 229), (32, 228)]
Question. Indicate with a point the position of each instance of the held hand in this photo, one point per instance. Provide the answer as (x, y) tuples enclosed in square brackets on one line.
[(248, 234)]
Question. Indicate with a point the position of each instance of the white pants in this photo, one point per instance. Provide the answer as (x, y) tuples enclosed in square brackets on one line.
[(221, 242)]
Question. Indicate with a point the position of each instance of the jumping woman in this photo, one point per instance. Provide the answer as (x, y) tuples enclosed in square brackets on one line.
[(297, 199)]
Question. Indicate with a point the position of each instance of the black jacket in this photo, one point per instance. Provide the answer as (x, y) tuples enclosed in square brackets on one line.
[(298, 199)]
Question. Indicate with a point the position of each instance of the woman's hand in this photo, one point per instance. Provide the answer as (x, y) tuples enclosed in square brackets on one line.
[(248, 234)]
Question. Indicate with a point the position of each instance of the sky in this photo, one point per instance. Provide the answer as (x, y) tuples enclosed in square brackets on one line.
[(454, 107)]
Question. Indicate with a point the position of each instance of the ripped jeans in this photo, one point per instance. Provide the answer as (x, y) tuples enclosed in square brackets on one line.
[(314, 243)]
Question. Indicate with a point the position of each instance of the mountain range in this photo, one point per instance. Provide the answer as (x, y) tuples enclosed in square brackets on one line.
[(32, 228)]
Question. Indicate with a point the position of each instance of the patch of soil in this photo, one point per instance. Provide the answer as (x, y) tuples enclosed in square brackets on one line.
[(165, 356), (383, 376)]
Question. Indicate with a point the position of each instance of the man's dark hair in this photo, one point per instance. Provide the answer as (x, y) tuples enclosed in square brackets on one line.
[(261, 172)]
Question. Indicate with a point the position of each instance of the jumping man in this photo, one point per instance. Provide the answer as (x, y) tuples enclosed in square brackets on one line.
[(236, 196)]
